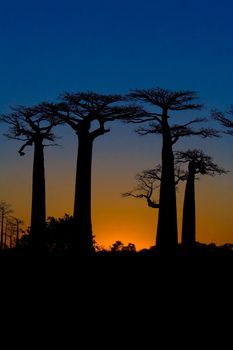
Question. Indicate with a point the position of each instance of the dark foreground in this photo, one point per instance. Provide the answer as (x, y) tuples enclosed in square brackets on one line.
[(204, 260), (199, 251)]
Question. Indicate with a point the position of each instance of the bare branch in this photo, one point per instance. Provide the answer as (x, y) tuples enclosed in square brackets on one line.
[(178, 131), (82, 108), (193, 121), (29, 123), (152, 128), (28, 143), (100, 131), (180, 174), (147, 181), (132, 194), (227, 122)]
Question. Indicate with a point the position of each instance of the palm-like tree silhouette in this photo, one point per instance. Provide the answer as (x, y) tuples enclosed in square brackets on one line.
[(163, 101), (87, 113), (33, 126), (202, 164)]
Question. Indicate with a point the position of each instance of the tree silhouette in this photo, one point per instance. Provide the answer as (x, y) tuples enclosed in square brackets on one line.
[(165, 101), (87, 114), (16, 222), (10, 233), (32, 126), (148, 181), (5, 210), (119, 247), (198, 163), (59, 234)]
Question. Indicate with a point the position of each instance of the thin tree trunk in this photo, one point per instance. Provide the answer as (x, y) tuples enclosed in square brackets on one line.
[(83, 242), (167, 237), (17, 234), (2, 227), (10, 240), (5, 237), (189, 215), (38, 215)]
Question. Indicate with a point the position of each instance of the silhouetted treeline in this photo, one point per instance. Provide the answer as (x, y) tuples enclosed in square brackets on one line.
[(11, 227), (89, 114)]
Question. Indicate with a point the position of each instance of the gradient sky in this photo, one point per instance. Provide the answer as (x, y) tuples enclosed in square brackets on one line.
[(48, 47)]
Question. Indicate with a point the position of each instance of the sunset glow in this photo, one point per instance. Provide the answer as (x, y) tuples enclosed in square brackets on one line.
[(49, 47)]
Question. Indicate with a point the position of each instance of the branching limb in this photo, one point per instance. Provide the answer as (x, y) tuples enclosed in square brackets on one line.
[(28, 143)]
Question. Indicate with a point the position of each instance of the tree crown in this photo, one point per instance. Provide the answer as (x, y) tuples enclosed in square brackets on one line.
[(29, 124), (167, 99), (200, 162), (78, 110)]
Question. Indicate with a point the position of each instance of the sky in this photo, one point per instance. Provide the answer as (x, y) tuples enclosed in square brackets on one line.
[(48, 47)]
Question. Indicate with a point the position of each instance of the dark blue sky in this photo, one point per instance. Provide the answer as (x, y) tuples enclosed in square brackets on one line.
[(109, 46), (49, 46)]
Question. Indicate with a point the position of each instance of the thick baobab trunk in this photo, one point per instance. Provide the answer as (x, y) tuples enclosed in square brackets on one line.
[(167, 221), (38, 214), (189, 216), (83, 242)]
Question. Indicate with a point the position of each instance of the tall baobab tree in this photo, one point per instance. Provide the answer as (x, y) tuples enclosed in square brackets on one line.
[(33, 126), (198, 164), (5, 210), (87, 113), (162, 102)]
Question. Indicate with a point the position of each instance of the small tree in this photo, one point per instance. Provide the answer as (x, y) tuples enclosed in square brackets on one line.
[(59, 234), (119, 247), (198, 163), (16, 222), (5, 210), (148, 181), (32, 126)]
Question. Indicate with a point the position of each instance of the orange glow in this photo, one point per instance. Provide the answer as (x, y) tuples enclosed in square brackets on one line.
[(113, 217)]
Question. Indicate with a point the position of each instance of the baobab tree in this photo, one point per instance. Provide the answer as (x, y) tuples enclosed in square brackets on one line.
[(148, 181), (5, 210), (87, 114), (33, 126), (198, 164), (163, 102)]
